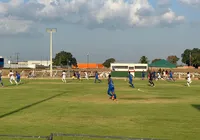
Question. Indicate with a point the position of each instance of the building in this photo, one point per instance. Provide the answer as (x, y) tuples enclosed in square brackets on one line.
[(35, 62), (32, 64), (122, 69), (89, 66)]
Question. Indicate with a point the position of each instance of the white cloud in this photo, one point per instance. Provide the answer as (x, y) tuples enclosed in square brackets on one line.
[(13, 25), (164, 3), (193, 3), (170, 17), (99, 13)]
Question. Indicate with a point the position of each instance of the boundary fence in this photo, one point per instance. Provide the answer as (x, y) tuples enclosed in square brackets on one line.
[(54, 135)]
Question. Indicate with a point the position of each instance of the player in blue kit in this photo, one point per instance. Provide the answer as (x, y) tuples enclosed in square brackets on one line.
[(111, 88), (171, 76), (97, 77), (130, 76), (18, 77), (78, 76), (1, 79), (143, 75)]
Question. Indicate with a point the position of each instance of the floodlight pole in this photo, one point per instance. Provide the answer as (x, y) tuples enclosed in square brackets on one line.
[(51, 31), (87, 61)]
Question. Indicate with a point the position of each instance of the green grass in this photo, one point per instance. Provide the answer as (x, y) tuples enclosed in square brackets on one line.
[(38, 107)]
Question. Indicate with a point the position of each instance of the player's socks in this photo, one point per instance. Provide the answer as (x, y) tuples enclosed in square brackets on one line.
[(110, 94), (115, 96)]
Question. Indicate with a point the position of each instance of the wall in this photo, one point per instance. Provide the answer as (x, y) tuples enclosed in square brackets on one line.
[(14, 66), (125, 74), (44, 63)]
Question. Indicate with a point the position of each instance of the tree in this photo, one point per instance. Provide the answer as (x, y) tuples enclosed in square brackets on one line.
[(144, 60), (173, 59), (191, 55), (64, 58), (157, 59), (186, 56), (108, 61)]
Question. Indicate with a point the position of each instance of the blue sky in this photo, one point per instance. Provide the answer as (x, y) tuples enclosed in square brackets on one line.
[(104, 28)]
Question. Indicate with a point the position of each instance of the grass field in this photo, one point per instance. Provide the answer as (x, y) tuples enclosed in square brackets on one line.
[(38, 107)]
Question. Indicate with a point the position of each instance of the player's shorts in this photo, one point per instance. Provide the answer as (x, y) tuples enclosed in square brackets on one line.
[(12, 78), (18, 80), (64, 77), (189, 80), (111, 89)]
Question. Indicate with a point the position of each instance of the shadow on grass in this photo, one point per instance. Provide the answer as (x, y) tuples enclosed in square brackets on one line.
[(166, 98), (30, 105), (140, 98), (134, 98), (196, 107), (13, 85)]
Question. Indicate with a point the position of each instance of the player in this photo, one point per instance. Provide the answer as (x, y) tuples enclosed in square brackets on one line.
[(1, 79), (74, 75), (171, 76), (159, 76), (78, 76), (143, 75), (64, 76), (130, 76), (97, 77), (86, 75), (111, 88), (151, 79), (189, 81), (18, 77), (12, 78), (154, 75)]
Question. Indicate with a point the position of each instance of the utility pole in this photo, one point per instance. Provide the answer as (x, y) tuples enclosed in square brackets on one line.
[(87, 61), (17, 56), (190, 59)]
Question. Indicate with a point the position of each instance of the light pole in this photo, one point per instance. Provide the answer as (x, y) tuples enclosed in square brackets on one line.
[(69, 64), (190, 59), (51, 31), (87, 61)]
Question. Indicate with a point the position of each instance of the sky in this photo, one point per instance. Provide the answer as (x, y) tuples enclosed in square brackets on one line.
[(121, 29)]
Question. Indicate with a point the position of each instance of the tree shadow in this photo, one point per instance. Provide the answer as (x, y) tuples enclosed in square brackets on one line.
[(196, 107), (30, 105)]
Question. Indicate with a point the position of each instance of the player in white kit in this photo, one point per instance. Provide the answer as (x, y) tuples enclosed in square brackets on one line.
[(189, 81), (64, 76), (86, 75), (12, 78)]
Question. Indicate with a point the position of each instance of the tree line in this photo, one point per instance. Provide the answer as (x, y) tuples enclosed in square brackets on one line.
[(190, 57)]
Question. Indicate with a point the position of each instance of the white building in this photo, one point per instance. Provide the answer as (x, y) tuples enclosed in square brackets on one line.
[(28, 64), (35, 62)]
